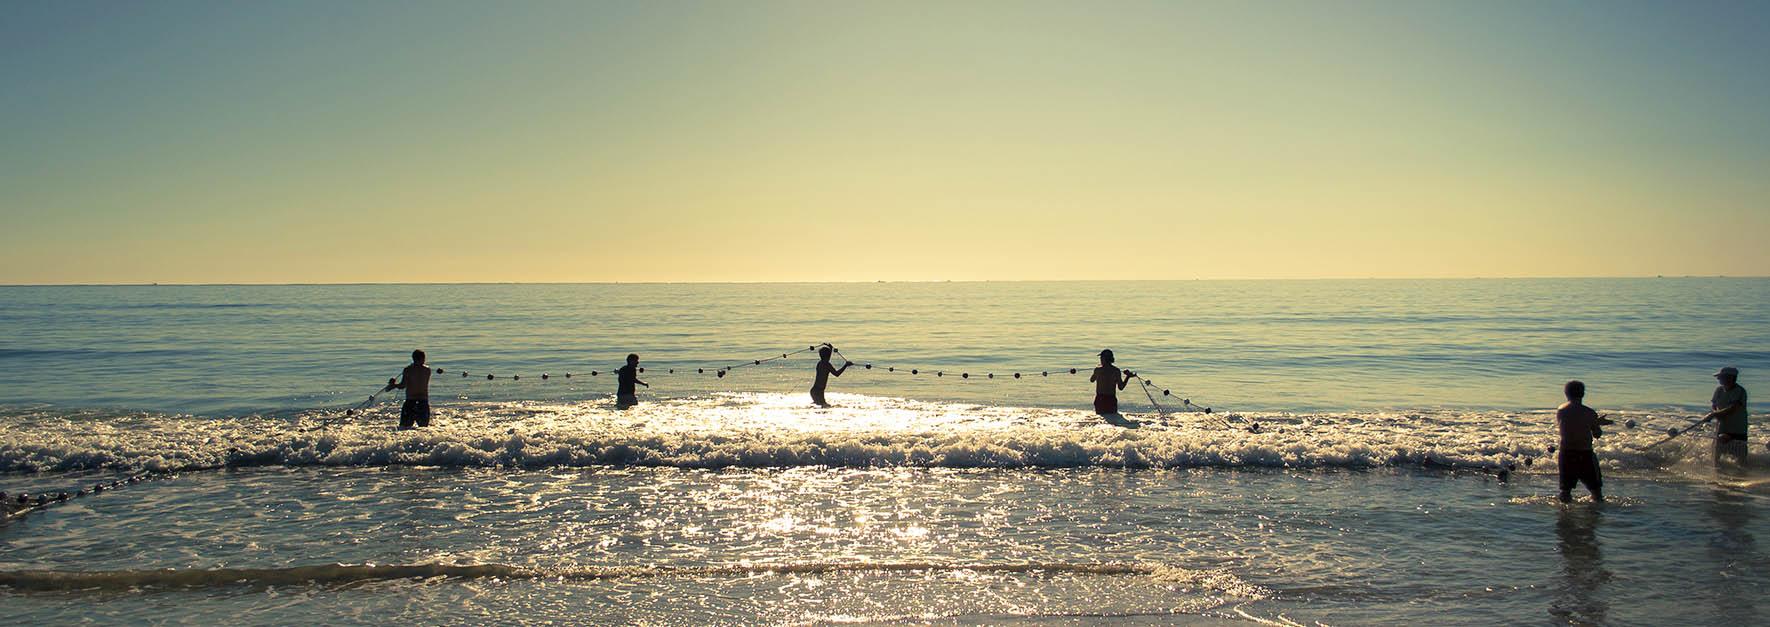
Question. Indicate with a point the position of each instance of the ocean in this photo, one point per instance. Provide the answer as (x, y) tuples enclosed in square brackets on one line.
[(1375, 452)]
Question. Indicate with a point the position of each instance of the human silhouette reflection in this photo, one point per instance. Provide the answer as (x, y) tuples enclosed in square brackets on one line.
[(1735, 551), (1579, 601)]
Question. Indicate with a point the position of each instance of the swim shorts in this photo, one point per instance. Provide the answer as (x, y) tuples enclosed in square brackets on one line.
[(414, 412)]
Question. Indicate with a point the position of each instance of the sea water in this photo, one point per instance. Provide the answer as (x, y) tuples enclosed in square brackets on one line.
[(1350, 471)]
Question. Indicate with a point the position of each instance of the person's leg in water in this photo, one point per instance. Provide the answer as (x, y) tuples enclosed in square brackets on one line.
[(1105, 404), (1593, 478), (1731, 454), (423, 413), (817, 397), (1569, 476), (1580, 467), (408, 414)]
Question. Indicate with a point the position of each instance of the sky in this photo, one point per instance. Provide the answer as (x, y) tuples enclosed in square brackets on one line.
[(439, 141)]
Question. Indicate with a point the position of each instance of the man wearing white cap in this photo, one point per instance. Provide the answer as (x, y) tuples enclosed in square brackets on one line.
[(1729, 414)]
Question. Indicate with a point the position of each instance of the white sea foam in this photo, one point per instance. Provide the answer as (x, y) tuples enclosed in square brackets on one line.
[(767, 430)]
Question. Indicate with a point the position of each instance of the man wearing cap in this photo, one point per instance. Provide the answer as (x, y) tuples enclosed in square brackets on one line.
[(1106, 396), (1729, 414)]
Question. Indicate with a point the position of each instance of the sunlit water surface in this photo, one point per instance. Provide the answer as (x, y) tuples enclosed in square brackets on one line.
[(1351, 473)]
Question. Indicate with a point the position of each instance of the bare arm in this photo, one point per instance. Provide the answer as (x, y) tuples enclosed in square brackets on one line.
[(838, 371), (1126, 379), (1718, 412), (630, 371)]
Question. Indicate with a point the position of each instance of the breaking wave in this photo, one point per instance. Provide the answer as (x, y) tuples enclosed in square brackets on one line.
[(761, 431)]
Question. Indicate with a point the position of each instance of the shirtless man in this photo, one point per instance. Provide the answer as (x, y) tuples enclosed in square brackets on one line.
[(824, 370), (626, 377), (1578, 425), (415, 380), (1108, 380)]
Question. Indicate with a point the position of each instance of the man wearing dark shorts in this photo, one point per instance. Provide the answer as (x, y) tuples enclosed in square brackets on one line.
[(415, 380), (1579, 424), (1107, 380)]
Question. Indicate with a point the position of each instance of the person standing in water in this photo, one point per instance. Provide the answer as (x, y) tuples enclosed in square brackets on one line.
[(1579, 424), (415, 380), (1728, 404), (1108, 380), (824, 371), (626, 377)]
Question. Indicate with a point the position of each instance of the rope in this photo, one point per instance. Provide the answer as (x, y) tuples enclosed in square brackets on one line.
[(17, 506), (1148, 388), (990, 376), (722, 371), (350, 411), (1146, 385), (1505, 469), (1672, 434), (718, 371)]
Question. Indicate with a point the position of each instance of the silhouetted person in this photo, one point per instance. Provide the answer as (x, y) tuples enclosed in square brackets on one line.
[(1108, 380), (415, 380), (1728, 404), (626, 376), (1579, 424), (824, 371)]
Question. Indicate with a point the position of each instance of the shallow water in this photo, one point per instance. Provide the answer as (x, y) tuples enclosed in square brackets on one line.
[(1350, 474), (891, 544)]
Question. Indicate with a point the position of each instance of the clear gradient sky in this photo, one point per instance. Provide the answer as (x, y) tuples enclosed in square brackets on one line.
[(767, 141)]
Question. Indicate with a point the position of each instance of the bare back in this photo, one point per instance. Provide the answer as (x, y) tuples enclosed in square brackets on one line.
[(1106, 380), (417, 382), (1578, 424)]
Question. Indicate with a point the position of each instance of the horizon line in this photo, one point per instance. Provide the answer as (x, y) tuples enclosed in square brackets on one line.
[(875, 281)]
